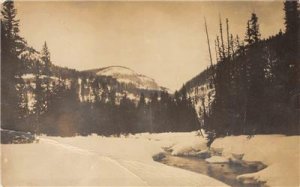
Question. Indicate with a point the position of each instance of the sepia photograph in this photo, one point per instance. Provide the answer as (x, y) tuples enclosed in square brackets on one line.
[(202, 93)]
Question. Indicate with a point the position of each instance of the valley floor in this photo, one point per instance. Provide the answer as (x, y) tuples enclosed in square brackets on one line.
[(127, 161), (93, 160)]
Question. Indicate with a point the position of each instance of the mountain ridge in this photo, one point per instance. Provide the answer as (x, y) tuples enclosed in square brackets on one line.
[(128, 76)]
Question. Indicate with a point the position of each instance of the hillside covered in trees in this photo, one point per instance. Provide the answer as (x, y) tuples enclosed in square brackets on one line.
[(42, 98), (256, 81)]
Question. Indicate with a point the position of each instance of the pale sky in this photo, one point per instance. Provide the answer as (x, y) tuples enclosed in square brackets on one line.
[(163, 40)]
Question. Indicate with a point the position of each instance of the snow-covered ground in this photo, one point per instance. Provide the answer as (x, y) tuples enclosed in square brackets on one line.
[(280, 154), (127, 161), (98, 161)]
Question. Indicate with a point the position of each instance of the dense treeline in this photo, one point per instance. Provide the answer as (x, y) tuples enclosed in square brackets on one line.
[(67, 116), (67, 102), (256, 81), (62, 113)]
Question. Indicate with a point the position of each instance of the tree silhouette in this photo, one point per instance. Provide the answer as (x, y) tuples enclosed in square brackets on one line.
[(12, 46)]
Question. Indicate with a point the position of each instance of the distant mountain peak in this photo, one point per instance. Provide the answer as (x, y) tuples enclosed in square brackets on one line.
[(115, 70), (128, 76)]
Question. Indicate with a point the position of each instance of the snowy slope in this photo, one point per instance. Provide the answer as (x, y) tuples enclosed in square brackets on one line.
[(98, 161), (29, 80), (202, 97), (201, 91)]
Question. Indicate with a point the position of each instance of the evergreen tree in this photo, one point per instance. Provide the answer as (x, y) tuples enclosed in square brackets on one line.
[(47, 71), (39, 92), (45, 59), (248, 38), (142, 101), (154, 112), (143, 116), (292, 44), (14, 43), (291, 17), (252, 34), (254, 28), (12, 46), (127, 114)]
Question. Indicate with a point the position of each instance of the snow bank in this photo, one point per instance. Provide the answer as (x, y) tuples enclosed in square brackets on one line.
[(97, 161), (280, 154), (217, 159)]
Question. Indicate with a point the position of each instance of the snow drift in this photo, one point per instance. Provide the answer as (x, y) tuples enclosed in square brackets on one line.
[(280, 153)]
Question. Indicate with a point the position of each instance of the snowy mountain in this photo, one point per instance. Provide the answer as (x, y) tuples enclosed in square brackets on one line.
[(123, 80), (128, 76)]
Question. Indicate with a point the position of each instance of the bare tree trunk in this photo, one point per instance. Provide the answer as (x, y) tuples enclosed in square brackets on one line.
[(228, 39), (222, 39), (208, 44)]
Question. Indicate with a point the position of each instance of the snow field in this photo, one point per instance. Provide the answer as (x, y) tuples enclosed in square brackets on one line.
[(97, 161), (127, 161)]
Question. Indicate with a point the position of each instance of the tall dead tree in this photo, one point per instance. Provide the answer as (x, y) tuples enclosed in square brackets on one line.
[(228, 39), (208, 44), (222, 39)]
